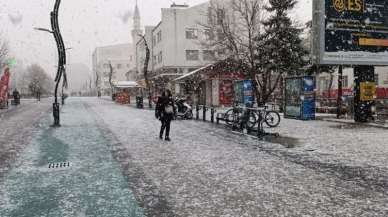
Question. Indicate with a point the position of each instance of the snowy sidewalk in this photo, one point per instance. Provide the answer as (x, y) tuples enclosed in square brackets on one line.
[(209, 171), (87, 182)]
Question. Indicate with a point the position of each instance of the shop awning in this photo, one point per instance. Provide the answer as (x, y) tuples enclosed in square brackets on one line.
[(183, 77), (126, 84)]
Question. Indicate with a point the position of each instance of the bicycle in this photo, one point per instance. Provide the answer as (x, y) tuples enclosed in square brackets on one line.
[(271, 117), (240, 117)]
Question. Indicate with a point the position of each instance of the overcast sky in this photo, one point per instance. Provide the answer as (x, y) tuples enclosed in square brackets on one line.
[(85, 24)]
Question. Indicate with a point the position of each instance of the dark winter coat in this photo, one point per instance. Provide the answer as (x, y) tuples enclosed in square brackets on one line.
[(161, 105)]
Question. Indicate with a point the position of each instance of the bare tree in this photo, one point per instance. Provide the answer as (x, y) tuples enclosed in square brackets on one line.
[(111, 72), (145, 69), (39, 82), (4, 49), (259, 35), (233, 27)]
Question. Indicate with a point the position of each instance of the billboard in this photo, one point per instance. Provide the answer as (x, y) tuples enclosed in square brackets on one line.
[(350, 32)]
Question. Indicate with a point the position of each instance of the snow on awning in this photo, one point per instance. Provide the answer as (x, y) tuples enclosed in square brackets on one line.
[(126, 84), (192, 73)]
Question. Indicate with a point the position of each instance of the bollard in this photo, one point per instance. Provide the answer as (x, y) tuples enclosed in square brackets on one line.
[(204, 113), (260, 129), (212, 114), (197, 112)]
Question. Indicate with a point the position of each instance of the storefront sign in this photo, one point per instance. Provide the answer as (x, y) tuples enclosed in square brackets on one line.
[(367, 91), (226, 92)]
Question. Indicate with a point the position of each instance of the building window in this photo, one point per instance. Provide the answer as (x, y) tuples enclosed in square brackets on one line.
[(377, 79), (119, 66), (128, 65), (160, 57), (106, 66), (154, 60), (210, 15), (209, 34), (345, 81), (192, 55), (221, 52), (153, 41), (209, 55), (220, 34), (191, 33), (159, 36)]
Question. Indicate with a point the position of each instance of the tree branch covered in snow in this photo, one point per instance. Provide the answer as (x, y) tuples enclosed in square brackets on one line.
[(260, 35), (38, 80), (4, 50)]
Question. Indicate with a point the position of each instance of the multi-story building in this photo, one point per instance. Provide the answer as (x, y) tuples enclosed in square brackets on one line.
[(176, 41)]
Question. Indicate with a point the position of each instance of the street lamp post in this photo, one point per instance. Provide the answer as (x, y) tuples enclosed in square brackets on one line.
[(64, 82), (61, 60)]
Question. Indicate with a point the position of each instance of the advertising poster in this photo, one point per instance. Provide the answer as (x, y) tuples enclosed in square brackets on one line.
[(239, 92), (308, 106), (351, 31), (226, 92), (248, 92), (293, 97)]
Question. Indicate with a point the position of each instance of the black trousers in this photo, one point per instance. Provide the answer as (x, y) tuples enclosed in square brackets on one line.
[(166, 124)]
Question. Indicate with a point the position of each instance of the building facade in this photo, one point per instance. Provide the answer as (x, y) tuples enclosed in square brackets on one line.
[(120, 58), (175, 44)]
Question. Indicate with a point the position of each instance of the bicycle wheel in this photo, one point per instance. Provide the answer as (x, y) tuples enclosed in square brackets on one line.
[(272, 119), (252, 121), (229, 117)]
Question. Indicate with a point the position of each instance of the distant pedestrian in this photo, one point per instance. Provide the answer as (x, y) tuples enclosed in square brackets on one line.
[(16, 97), (165, 112)]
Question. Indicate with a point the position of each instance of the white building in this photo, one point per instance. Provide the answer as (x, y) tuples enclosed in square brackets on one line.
[(175, 42), (121, 57), (122, 60)]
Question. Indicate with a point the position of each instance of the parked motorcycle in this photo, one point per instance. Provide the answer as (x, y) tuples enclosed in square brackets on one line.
[(184, 110)]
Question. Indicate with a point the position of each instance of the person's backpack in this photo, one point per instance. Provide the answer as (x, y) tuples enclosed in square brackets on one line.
[(169, 109)]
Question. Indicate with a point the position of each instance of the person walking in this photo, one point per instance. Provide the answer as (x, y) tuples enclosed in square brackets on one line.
[(165, 111)]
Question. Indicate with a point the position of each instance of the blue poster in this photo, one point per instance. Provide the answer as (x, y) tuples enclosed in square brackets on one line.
[(249, 98), (308, 106)]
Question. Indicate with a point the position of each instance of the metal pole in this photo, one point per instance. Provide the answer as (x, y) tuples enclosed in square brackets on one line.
[(61, 59), (339, 94)]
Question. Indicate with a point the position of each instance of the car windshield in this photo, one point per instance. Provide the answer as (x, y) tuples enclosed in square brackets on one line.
[(184, 108)]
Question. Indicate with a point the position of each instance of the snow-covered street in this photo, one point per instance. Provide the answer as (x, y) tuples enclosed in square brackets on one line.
[(117, 166)]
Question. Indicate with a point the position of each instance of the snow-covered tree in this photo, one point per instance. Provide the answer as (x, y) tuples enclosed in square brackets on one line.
[(39, 82), (3, 51), (280, 50), (232, 29), (145, 69)]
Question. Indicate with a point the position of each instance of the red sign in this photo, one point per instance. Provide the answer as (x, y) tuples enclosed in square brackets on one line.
[(4, 85), (226, 92)]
